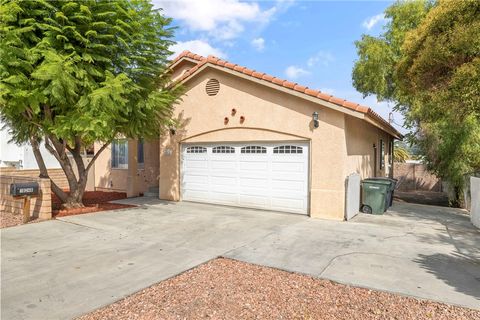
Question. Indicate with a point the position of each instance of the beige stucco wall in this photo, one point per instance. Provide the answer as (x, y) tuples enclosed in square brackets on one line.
[(360, 138), (341, 145), (115, 179), (270, 115)]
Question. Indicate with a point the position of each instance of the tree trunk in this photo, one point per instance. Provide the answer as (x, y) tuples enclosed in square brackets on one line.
[(62, 195), (72, 199)]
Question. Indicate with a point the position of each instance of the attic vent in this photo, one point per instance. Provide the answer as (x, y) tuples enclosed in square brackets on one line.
[(212, 87)]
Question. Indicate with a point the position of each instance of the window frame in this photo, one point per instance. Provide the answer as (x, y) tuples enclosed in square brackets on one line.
[(382, 154), (195, 150), (115, 155), (287, 149), (231, 150), (252, 149), (140, 153)]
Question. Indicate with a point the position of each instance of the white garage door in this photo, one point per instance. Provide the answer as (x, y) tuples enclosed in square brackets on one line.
[(266, 176)]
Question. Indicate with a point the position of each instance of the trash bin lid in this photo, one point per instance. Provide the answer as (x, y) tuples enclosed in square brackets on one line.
[(377, 181)]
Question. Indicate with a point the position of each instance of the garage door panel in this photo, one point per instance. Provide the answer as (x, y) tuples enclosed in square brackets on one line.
[(195, 178), (253, 165), (195, 195), (254, 201), (254, 182), (223, 165), (290, 185), (264, 192), (223, 197), (224, 181), (287, 203), (258, 178), (196, 163), (286, 166)]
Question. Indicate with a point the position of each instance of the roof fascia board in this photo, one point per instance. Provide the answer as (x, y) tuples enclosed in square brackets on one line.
[(176, 63), (372, 121)]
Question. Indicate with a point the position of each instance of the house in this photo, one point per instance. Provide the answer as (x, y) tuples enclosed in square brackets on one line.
[(248, 139), (21, 156)]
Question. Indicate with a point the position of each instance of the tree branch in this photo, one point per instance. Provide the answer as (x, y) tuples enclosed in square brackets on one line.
[(95, 156), (59, 153)]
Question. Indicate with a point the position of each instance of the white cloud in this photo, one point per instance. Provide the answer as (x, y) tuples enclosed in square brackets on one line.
[(197, 46), (258, 44), (373, 21), (322, 57), (221, 19), (294, 72)]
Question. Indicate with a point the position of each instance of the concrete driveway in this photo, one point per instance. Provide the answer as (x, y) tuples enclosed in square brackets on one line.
[(64, 268)]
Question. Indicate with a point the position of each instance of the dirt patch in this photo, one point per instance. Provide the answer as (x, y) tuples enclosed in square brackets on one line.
[(422, 197), (94, 201), (228, 289)]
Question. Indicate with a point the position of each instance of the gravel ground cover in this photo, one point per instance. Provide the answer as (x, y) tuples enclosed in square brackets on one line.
[(8, 219), (229, 289)]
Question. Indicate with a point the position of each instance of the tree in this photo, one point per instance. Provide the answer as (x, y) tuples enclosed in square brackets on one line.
[(427, 62), (73, 73), (400, 154)]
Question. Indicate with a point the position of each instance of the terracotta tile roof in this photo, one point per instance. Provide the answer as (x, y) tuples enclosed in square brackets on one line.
[(281, 82)]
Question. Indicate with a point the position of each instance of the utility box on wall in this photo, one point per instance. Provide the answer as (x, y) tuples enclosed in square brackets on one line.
[(352, 196), (475, 202)]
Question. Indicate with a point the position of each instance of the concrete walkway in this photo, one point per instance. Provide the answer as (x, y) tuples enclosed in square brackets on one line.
[(61, 269)]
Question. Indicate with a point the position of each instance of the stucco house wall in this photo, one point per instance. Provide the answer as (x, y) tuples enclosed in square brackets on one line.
[(273, 111), (271, 115), (116, 179), (361, 136)]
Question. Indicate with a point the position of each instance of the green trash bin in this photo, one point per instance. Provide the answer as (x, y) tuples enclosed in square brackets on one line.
[(375, 196), (393, 183)]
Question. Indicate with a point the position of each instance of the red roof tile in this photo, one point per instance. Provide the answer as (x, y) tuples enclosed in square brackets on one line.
[(311, 92), (287, 84)]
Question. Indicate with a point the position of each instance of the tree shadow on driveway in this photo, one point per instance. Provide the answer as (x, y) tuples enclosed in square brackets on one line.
[(456, 270)]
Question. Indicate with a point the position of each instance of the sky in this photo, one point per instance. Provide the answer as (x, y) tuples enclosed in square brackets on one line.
[(308, 42)]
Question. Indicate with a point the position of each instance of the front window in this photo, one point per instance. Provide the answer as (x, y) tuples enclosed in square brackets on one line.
[(382, 154), (120, 153), (140, 154)]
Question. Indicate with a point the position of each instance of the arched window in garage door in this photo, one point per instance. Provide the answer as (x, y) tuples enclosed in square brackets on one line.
[(196, 149), (288, 149), (253, 149), (223, 149)]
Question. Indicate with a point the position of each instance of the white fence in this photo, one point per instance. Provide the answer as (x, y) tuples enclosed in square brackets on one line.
[(475, 201)]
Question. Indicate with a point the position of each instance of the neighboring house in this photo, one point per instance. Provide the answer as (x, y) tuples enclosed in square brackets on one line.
[(249, 139), (21, 157)]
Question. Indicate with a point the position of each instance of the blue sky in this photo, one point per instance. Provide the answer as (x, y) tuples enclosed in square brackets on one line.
[(309, 42)]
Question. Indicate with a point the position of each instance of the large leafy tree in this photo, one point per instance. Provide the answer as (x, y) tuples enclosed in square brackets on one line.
[(428, 62), (77, 72)]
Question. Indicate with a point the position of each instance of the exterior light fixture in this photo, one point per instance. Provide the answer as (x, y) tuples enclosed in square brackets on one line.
[(242, 119), (225, 120), (316, 123), (234, 111)]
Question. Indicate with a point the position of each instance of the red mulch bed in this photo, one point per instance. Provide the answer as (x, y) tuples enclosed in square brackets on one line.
[(94, 201)]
